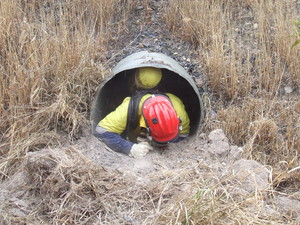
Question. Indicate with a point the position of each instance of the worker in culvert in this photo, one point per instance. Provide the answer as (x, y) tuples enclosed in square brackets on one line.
[(146, 119)]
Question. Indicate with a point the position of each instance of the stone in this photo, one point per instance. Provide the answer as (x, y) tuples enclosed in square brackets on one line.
[(217, 135), (236, 152), (219, 148), (251, 175), (287, 205)]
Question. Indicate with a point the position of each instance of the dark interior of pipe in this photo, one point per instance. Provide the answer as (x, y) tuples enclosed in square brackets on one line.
[(113, 92)]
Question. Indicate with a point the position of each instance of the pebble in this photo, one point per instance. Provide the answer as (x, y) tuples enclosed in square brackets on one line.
[(288, 89)]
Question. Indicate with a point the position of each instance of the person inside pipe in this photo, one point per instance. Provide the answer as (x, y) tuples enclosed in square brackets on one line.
[(148, 118)]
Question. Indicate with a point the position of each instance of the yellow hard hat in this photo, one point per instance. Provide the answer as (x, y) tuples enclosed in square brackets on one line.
[(148, 77)]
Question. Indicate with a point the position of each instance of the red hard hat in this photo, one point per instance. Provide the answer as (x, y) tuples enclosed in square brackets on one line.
[(161, 118)]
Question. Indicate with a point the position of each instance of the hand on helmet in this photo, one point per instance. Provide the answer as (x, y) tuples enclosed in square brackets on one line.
[(140, 150)]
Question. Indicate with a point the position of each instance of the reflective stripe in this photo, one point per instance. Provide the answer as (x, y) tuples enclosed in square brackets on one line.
[(100, 130), (113, 141)]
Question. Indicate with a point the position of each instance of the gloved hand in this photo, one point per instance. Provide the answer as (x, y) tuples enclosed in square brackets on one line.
[(140, 150)]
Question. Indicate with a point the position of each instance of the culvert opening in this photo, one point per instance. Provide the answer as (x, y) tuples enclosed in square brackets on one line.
[(175, 80)]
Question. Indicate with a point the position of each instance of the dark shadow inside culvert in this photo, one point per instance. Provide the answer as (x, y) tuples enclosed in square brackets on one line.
[(119, 85)]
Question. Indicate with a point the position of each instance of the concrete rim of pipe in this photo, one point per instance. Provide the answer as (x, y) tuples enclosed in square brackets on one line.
[(114, 88)]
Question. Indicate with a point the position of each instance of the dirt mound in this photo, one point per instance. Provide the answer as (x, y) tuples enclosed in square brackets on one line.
[(86, 183)]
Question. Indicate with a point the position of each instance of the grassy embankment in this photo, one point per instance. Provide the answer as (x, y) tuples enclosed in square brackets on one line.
[(52, 57), (252, 72), (52, 60), (253, 76)]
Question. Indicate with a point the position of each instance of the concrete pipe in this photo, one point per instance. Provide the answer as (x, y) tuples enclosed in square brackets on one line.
[(175, 79)]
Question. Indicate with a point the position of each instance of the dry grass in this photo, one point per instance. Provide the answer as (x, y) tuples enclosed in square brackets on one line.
[(80, 192), (245, 48), (52, 57), (69, 189), (66, 188), (216, 205)]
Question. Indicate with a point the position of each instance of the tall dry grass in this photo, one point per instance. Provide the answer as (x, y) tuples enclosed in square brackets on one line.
[(52, 58), (253, 75), (51, 61), (245, 48)]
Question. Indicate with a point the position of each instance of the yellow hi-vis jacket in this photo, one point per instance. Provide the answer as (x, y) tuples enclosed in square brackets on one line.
[(116, 121)]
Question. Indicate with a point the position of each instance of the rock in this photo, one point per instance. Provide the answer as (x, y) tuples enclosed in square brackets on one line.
[(217, 135), (270, 211), (202, 136), (199, 82), (219, 148), (213, 113), (147, 44), (288, 89), (236, 152), (287, 205), (250, 175), (219, 145)]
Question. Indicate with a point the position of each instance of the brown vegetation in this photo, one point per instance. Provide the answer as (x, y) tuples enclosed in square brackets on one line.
[(52, 57), (251, 69), (51, 63)]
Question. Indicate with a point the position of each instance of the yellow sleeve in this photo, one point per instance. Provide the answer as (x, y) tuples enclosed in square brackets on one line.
[(116, 121), (181, 112)]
